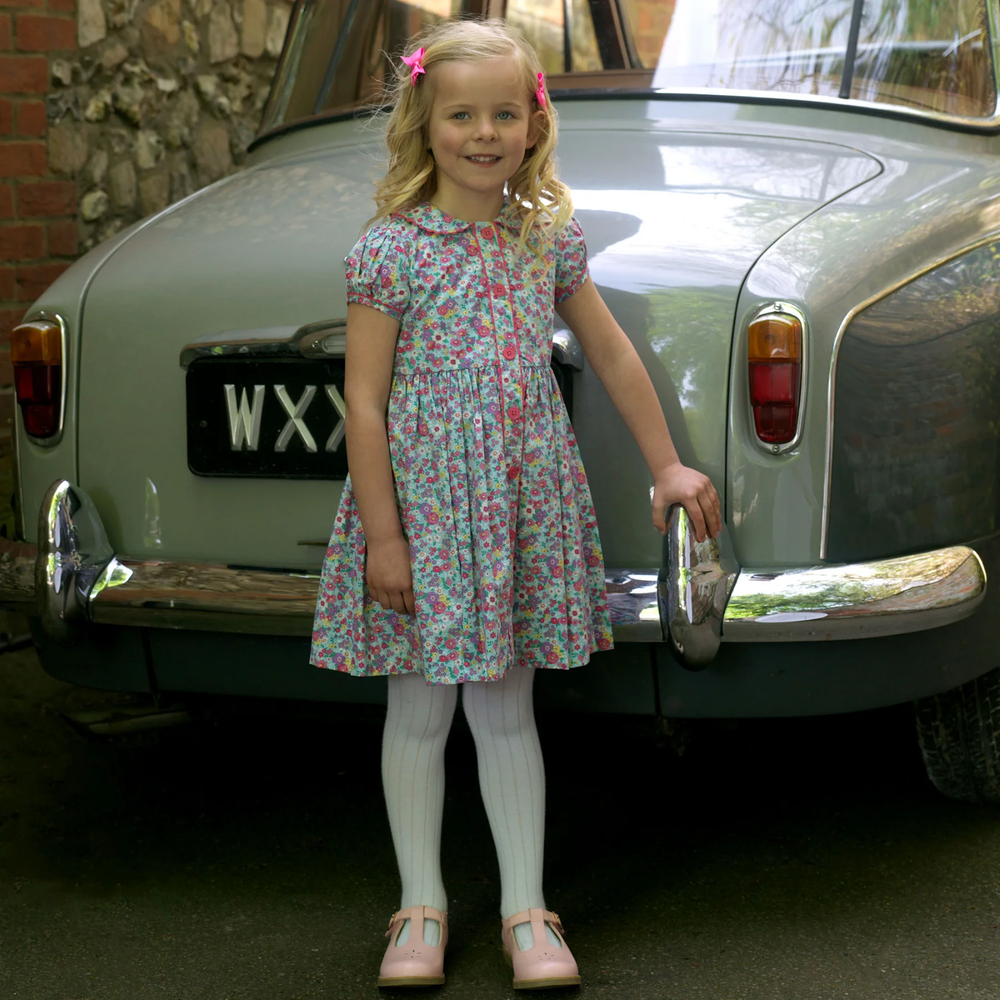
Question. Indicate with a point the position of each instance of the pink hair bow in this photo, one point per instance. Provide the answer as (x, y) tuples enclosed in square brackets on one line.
[(540, 93), (415, 63)]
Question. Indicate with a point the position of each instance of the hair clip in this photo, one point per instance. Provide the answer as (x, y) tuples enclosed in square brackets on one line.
[(415, 63), (540, 93)]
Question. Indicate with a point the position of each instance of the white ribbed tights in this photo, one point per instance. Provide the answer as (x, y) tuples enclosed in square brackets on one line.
[(511, 778)]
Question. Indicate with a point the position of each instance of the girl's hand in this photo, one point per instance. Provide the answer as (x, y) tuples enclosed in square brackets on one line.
[(390, 580), (677, 483)]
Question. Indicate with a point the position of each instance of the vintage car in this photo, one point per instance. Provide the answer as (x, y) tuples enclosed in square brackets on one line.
[(793, 210)]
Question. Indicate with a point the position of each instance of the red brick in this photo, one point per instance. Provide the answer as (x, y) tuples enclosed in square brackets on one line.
[(33, 279), (41, 33), (9, 318), (6, 284), (22, 159), (22, 242), (6, 117), (64, 239), (46, 198), (24, 74), (5, 31), (31, 119), (6, 201), (67, 6)]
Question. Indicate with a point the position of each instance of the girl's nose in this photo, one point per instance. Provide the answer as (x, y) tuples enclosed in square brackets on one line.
[(486, 128)]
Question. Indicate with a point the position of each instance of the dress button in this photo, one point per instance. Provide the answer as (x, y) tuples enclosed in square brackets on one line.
[(514, 413), (510, 353), (513, 472), (487, 233), (499, 290)]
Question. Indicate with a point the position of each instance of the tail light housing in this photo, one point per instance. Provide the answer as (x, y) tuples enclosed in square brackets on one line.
[(36, 353), (774, 363)]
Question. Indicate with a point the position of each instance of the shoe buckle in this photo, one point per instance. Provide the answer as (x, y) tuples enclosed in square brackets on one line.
[(392, 920)]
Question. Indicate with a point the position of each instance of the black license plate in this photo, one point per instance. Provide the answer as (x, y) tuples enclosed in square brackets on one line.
[(268, 419)]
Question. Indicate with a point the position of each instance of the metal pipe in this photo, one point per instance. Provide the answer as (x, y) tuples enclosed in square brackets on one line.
[(847, 80)]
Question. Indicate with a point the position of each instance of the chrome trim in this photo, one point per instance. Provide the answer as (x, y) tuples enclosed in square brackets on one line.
[(633, 600), (859, 600), (49, 442), (115, 574), (566, 349), (693, 591), (18, 480), (75, 564), (73, 577), (835, 354), (272, 340), (324, 339), (829, 103), (778, 308)]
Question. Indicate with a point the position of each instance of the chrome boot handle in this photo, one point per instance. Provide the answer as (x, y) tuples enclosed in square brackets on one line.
[(694, 589)]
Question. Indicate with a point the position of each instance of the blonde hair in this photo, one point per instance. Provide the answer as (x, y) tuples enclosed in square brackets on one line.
[(537, 197)]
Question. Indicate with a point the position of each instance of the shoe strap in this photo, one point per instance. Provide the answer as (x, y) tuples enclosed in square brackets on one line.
[(537, 917), (417, 915)]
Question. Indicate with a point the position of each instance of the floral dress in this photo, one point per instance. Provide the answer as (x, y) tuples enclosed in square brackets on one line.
[(491, 492)]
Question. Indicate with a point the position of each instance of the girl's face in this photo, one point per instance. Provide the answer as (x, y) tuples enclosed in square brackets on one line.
[(481, 124)]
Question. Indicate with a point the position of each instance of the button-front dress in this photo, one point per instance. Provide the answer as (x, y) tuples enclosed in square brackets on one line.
[(491, 491)]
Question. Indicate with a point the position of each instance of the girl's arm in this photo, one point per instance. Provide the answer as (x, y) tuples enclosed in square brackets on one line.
[(617, 365), (371, 345)]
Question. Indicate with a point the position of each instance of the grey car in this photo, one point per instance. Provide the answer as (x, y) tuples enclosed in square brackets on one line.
[(793, 210)]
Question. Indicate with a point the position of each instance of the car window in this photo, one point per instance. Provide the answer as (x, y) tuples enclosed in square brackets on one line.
[(543, 21), (927, 55), (931, 55)]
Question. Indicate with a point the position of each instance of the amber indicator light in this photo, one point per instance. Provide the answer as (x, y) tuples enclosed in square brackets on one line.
[(774, 357), (775, 338), (36, 354)]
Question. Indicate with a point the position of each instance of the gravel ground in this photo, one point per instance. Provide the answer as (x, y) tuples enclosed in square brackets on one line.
[(247, 857)]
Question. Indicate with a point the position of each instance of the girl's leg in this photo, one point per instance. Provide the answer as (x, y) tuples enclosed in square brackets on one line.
[(512, 778), (416, 729)]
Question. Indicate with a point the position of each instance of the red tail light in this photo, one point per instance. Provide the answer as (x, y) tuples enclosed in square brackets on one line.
[(36, 354), (774, 356)]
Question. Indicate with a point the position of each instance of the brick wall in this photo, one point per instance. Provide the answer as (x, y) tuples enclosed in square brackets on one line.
[(38, 229), (38, 234)]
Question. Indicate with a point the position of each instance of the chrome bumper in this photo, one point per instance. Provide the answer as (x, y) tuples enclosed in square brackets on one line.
[(695, 602)]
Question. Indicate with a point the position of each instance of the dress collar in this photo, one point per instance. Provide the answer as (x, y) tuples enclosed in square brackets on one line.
[(433, 220)]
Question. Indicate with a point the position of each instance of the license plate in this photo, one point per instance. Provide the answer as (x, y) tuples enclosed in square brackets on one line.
[(268, 419)]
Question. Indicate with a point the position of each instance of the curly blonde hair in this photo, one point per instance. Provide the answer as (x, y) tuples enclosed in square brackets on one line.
[(541, 201)]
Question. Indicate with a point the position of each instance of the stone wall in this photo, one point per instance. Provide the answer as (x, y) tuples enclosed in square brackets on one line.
[(162, 97), (111, 110)]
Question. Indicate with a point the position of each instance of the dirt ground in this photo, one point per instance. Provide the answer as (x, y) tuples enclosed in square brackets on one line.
[(247, 857)]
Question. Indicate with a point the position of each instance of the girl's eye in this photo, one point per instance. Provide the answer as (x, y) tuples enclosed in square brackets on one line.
[(459, 114), (505, 116)]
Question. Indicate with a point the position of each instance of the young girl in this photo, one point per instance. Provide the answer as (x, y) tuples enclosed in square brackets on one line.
[(465, 549)]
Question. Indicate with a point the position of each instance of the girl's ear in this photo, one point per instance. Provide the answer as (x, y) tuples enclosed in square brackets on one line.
[(535, 123)]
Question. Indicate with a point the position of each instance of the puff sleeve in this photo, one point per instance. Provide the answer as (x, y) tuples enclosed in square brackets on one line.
[(571, 261), (378, 272)]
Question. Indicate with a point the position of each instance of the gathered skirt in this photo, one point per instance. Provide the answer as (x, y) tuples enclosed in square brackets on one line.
[(504, 547)]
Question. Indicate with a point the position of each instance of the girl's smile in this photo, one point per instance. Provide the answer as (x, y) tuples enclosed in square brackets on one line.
[(481, 124)]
